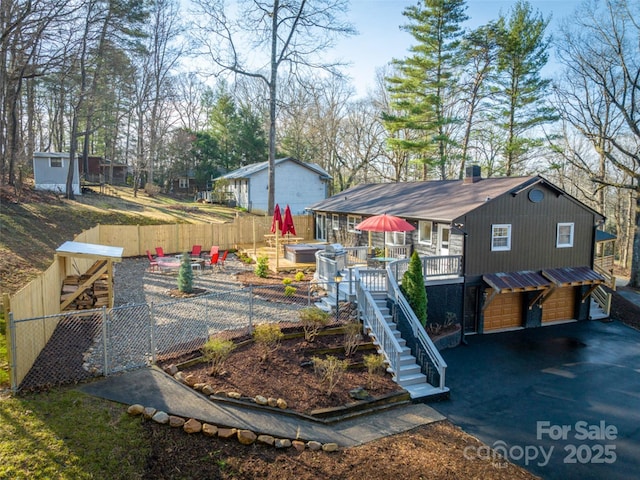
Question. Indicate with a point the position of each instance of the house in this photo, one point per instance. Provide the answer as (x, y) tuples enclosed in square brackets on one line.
[(523, 249), (50, 172), (99, 170), (297, 184)]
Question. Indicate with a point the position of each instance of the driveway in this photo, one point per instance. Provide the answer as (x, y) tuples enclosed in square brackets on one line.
[(562, 401)]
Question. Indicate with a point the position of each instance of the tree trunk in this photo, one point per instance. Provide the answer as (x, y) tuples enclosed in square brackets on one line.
[(634, 280)]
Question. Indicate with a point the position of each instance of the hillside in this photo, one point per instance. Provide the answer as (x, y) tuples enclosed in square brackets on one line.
[(34, 224)]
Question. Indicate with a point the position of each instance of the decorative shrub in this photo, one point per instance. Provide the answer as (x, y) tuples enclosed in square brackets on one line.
[(299, 276), (216, 351), (268, 336), (151, 189), (375, 366), (413, 288), (330, 370), (287, 281), (262, 267), (290, 291), (185, 275), (352, 335), (313, 319)]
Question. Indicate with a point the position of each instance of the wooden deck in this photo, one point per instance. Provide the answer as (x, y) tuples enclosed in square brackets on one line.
[(281, 264)]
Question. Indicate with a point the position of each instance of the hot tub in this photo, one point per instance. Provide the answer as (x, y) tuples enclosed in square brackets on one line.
[(302, 252)]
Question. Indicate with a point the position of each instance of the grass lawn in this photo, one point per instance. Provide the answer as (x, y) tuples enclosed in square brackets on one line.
[(65, 434)]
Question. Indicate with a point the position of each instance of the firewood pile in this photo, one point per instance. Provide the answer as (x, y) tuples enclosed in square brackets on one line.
[(95, 295)]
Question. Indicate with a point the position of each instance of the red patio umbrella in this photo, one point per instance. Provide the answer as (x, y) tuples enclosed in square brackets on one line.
[(385, 223), (287, 224), (276, 223)]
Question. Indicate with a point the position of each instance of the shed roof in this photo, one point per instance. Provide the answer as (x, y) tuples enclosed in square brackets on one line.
[(516, 281), (443, 200), (249, 170), (573, 276), (90, 250)]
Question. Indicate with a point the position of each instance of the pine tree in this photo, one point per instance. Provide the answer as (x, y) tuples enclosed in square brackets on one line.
[(185, 274), (422, 90), (413, 288)]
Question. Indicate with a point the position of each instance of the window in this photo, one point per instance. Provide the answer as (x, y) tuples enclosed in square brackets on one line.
[(425, 231), (394, 238), (352, 221), (183, 182), (335, 221), (55, 162), (500, 237), (565, 235)]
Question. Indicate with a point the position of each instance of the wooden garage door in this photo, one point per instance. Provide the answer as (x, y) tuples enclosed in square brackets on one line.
[(560, 305), (504, 311)]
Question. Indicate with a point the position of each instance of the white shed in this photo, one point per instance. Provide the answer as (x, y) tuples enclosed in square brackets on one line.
[(297, 184), (50, 172)]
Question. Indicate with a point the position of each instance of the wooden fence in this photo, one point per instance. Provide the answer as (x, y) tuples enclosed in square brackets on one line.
[(41, 297)]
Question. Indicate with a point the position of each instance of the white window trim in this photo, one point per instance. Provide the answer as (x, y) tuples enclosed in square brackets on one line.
[(51, 162), (183, 182), (425, 241), (390, 236), (335, 221), (571, 225), (500, 248), (352, 221)]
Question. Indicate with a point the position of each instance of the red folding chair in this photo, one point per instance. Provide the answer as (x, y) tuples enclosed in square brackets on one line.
[(213, 261), (222, 259), (159, 252), (153, 265), (196, 250)]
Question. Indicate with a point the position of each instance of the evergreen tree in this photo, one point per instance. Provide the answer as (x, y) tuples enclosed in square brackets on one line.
[(422, 89), (521, 101), (185, 274), (413, 288)]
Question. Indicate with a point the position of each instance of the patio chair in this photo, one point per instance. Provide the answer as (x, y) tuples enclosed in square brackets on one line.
[(159, 252), (153, 265), (213, 261), (196, 250), (223, 259)]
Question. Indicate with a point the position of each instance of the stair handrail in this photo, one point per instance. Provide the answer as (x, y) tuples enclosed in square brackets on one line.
[(373, 319), (418, 330)]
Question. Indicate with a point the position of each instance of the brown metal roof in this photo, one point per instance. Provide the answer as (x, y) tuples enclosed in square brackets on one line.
[(443, 200), (516, 281), (573, 276)]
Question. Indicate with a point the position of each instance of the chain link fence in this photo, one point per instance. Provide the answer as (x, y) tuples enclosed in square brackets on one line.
[(86, 344)]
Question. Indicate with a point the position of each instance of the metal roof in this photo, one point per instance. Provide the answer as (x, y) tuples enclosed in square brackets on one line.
[(516, 281), (443, 200), (573, 276), (249, 170)]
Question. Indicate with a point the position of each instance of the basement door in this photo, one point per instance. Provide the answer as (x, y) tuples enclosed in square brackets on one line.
[(560, 305), (504, 311)]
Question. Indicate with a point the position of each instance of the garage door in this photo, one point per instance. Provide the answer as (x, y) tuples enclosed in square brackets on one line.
[(504, 311), (560, 305)]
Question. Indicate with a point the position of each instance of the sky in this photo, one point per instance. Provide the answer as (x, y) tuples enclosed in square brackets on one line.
[(380, 38)]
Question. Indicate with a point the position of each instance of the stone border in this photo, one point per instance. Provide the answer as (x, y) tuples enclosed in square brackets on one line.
[(244, 437)]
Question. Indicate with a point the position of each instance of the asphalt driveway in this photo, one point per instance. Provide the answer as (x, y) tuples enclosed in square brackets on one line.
[(562, 401)]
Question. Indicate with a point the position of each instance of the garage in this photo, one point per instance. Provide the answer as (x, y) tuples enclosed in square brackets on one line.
[(505, 311), (559, 305)]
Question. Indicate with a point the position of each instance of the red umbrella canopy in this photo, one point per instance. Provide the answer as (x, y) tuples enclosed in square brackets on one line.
[(276, 223), (385, 223), (287, 224)]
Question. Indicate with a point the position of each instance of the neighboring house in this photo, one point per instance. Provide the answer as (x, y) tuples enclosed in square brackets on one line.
[(298, 184), (50, 172), (183, 183), (525, 248), (99, 171)]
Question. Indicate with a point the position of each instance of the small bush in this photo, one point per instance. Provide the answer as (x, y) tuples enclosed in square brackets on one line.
[(151, 189), (313, 319), (268, 336), (185, 275), (290, 291), (216, 351), (375, 366), (262, 267), (299, 276), (330, 370), (287, 281), (352, 337)]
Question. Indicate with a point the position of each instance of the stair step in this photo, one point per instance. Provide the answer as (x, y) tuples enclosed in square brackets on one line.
[(407, 359), (412, 379), (406, 370), (424, 391)]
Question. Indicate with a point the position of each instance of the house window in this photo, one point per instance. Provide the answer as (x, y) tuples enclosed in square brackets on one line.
[(500, 237), (183, 182), (352, 221), (394, 238), (565, 235), (425, 231), (335, 221), (55, 162)]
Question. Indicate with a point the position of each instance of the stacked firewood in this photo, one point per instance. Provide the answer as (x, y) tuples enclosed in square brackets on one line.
[(95, 295)]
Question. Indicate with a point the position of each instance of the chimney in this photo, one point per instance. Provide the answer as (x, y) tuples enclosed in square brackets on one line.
[(472, 174)]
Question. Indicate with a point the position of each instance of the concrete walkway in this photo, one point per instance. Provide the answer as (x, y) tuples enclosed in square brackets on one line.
[(153, 388)]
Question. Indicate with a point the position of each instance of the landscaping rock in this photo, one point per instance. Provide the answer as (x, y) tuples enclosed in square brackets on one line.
[(314, 446), (330, 447), (208, 390), (192, 426), (281, 403), (246, 437), (179, 376), (209, 430), (260, 400), (235, 395), (272, 402), (190, 380), (176, 422), (266, 439), (282, 443), (199, 386), (135, 409), (148, 412), (226, 433), (171, 369), (359, 393), (161, 417), (298, 445)]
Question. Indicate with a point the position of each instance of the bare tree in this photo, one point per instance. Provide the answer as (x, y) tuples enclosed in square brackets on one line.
[(259, 38)]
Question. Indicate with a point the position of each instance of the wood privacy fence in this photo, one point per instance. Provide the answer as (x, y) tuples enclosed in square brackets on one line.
[(41, 297)]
